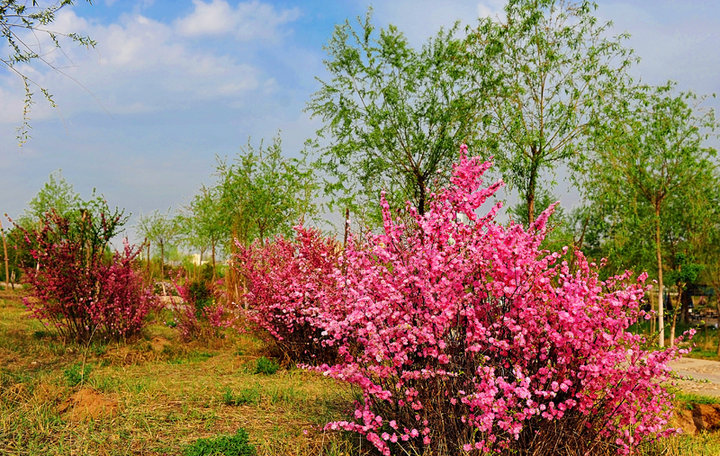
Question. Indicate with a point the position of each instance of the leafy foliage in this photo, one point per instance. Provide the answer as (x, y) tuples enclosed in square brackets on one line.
[(652, 177), (202, 227), (160, 229), (17, 21), (262, 193), (232, 445), (393, 115), (542, 75)]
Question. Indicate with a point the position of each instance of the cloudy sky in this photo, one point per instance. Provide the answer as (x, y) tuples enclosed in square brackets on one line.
[(173, 84)]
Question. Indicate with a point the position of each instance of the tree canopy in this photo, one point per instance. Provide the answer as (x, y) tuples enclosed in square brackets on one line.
[(394, 116), (648, 175), (541, 76)]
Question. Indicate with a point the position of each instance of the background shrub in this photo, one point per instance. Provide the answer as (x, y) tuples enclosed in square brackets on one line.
[(287, 283), (203, 311), (76, 284)]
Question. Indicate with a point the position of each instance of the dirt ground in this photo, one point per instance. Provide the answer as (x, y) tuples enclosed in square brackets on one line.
[(698, 376)]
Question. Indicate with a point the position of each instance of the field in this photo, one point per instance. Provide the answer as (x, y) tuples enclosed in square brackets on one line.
[(158, 395)]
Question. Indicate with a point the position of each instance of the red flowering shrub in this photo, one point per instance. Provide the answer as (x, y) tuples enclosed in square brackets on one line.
[(124, 301), (77, 286), (466, 338), (288, 284)]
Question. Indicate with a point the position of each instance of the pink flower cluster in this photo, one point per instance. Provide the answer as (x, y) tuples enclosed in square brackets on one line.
[(465, 337), (124, 301), (289, 286)]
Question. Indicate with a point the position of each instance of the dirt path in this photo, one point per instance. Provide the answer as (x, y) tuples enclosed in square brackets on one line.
[(700, 376)]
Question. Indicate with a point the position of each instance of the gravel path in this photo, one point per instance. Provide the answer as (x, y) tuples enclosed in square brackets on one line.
[(700, 376)]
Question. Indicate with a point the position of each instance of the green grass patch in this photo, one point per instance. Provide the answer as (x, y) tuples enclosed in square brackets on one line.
[(77, 373), (233, 445), (266, 366), (242, 397), (691, 398)]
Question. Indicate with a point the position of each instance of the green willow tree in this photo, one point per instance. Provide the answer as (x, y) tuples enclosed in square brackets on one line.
[(21, 26), (263, 193), (56, 194), (394, 116), (204, 224), (649, 169), (710, 256), (160, 229), (541, 75)]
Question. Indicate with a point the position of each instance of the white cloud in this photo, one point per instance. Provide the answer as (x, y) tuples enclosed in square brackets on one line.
[(138, 65), (494, 9), (247, 21), (420, 19)]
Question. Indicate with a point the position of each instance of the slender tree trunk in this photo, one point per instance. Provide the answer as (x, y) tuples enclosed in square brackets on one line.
[(198, 267), (532, 183), (421, 197), (530, 199), (347, 227), (676, 309), (213, 261), (7, 261), (162, 261), (658, 254), (149, 272)]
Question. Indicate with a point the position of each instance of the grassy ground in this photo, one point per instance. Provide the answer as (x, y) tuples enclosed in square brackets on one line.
[(157, 395), (153, 396)]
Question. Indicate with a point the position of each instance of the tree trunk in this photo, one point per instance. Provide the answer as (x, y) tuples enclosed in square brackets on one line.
[(347, 227), (421, 197), (658, 254), (532, 183), (685, 302), (676, 310), (149, 271), (213, 261), (162, 261), (7, 261)]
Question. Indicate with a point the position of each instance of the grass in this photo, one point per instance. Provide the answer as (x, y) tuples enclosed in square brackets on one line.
[(165, 396)]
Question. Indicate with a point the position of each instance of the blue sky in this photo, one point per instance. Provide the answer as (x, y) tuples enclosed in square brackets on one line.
[(172, 84)]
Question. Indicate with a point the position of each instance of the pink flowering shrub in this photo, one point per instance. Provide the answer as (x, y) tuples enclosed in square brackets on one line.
[(289, 284), (77, 286), (465, 338), (203, 312)]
